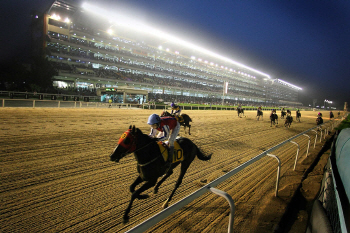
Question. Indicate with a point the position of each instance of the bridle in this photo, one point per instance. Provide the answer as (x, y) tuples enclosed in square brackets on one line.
[(132, 150)]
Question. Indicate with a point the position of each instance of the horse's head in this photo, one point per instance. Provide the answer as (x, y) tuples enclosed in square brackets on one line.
[(165, 113), (126, 144)]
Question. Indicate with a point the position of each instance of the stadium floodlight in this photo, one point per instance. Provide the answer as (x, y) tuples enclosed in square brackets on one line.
[(138, 26)]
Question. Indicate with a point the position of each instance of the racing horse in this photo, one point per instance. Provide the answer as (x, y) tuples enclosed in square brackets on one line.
[(151, 164), (273, 118), (240, 112), (184, 120), (283, 113), (298, 115), (259, 114), (289, 120)]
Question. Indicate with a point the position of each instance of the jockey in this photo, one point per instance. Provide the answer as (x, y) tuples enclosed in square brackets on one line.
[(319, 119), (273, 112), (331, 115), (168, 128), (175, 109)]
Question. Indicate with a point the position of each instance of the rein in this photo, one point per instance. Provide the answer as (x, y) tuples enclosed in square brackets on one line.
[(142, 165)]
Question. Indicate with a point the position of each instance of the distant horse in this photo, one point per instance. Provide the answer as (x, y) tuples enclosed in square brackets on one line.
[(298, 116), (283, 113), (273, 118), (184, 120), (240, 112), (259, 114), (288, 122), (151, 164)]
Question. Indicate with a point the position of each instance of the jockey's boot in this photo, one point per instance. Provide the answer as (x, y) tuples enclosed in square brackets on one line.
[(170, 157)]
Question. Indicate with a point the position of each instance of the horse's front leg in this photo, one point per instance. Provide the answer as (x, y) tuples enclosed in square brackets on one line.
[(136, 194), (189, 129), (135, 183)]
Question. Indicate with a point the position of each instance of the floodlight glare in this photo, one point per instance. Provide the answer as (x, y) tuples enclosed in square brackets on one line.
[(288, 84), (135, 25)]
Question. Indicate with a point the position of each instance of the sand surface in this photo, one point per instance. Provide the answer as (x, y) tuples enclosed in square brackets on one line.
[(56, 175)]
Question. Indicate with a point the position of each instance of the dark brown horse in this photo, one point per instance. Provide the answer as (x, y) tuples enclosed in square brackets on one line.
[(184, 120), (283, 114), (273, 118), (289, 120), (240, 112), (298, 115), (151, 164), (259, 114)]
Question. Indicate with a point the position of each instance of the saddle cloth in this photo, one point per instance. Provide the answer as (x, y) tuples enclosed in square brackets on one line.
[(180, 119), (178, 152)]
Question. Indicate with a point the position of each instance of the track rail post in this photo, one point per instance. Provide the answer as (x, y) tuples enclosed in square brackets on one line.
[(231, 203), (278, 172), (315, 138), (296, 157), (308, 144)]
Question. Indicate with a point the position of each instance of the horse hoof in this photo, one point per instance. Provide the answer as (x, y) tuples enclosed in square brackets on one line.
[(143, 196), (125, 219), (166, 203)]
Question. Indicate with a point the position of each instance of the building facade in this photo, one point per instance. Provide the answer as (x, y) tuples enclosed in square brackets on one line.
[(92, 53)]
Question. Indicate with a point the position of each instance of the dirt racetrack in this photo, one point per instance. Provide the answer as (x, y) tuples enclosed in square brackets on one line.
[(56, 175)]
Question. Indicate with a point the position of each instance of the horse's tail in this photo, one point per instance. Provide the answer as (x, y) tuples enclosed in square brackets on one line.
[(201, 156), (188, 118)]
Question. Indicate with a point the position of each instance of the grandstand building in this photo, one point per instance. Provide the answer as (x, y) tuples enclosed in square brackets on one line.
[(95, 54)]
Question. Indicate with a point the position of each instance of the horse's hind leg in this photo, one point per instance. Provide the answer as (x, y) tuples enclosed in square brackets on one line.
[(169, 173), (136, 194)]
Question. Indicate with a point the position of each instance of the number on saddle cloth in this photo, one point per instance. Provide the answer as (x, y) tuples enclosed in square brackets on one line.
[(178, 152)]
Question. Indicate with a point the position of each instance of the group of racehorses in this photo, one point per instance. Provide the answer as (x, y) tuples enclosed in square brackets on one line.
[(284, 115), (287, 115)]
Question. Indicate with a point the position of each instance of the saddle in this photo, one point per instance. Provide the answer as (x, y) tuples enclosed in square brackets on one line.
[(178, 152)]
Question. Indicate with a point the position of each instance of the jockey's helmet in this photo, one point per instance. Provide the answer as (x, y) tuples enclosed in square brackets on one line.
[(153, 119), (172, 105), (319, 114)]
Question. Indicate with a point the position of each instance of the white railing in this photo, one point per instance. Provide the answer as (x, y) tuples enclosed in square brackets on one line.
[(210, 186), (58, 104)]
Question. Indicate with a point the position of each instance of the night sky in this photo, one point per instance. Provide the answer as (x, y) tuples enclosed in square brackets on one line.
[(306, 43)]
